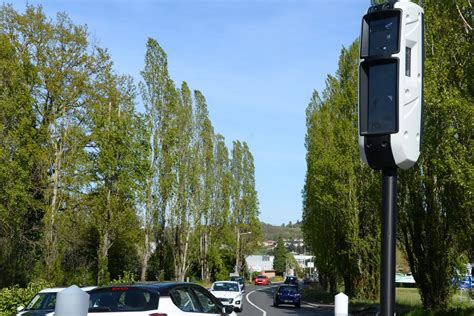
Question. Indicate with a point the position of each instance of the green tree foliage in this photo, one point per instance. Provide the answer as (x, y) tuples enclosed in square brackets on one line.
[(436, 200), (14, 296), (279, 261), (113, 154), (19, 222), (342, 196), (244, 203), (92, 190), (189, 181), (272, 232), (337, 221), (205, 164), (155, 78)]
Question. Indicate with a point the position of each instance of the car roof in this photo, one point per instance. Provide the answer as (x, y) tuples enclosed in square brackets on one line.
[(59, 289), (163, 288), (52, 290)]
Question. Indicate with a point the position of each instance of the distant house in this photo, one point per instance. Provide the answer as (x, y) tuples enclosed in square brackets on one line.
[(269, 243), (303, 260), (259, 263)]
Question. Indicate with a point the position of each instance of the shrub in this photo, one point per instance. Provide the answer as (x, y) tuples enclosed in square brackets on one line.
[(127, 278), (13, 297)]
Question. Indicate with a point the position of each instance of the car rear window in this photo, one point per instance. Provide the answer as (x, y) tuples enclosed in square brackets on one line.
[(288, 289), (262, 277), (225, 286), (123, 299)]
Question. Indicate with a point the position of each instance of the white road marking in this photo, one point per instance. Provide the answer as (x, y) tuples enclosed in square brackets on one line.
[(310, 304), (254, 305), (251, 303)]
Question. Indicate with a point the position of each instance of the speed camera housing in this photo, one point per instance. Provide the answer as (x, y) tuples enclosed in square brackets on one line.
[(391, 85)]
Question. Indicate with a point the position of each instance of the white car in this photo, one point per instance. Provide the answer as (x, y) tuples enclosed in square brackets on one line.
[(155, 299), (44, 302), (229, 293)]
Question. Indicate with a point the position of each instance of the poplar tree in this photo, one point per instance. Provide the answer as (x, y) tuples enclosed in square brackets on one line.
[(114, 157), (153, 92), (435, 197), (183, 209), (220, 229), (340, 207), (205, 158), (244, 202), (279, 261)]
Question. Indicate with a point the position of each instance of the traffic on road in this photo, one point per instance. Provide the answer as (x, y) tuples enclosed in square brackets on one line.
[(178, 298), (259, 301)]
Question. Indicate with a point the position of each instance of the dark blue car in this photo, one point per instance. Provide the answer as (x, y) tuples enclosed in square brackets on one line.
[(287, 294)]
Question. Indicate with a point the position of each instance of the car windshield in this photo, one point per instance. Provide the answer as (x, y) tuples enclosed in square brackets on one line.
[(237, 279), (225, 286), (42, 301), (262, 277), (122, 299)]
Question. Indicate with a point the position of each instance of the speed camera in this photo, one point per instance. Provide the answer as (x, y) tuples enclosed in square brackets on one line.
[(391, 85)]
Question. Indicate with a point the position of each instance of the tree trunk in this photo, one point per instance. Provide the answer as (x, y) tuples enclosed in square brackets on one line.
[(206, 258), (237, 253), (52, 255), (146, 256), (185, 266), (103, 275), (148, 231), (201, 255), (105, 243)]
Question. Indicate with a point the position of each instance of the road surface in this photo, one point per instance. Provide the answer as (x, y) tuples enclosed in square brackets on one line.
[(258, 301)]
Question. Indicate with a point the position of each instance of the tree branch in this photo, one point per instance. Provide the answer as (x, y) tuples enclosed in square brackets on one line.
[(467, 26)]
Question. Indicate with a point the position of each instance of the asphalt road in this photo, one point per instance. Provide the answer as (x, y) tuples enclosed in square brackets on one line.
[(258, 301)]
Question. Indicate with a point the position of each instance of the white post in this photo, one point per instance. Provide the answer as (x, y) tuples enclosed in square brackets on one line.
[(72, 302), (341, 305)]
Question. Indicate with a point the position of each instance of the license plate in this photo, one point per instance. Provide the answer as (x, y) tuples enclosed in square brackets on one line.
[(288, 301)]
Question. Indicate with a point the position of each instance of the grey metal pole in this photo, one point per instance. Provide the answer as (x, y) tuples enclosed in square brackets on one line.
[(389, 220)]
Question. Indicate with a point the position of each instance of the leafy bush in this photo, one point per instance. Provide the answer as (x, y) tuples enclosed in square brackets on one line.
[(127, 278), (13, 297), (276, 279)]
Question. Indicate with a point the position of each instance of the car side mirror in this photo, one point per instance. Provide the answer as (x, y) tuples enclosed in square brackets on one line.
[(226, 310), (20, 308)]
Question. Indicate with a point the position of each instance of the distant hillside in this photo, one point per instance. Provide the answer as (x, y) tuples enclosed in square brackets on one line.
[(286, 231)]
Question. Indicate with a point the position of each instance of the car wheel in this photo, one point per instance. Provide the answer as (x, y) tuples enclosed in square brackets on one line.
[(275, 304), (298, 305)]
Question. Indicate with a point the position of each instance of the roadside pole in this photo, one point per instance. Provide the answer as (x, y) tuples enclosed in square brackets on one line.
[(388, 242), (390, 112)]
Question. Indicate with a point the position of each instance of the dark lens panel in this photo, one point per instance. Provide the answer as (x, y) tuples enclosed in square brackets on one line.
[(383, 36), (382, 98)]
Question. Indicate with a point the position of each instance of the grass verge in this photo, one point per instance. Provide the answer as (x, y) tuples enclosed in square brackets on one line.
[(408, 302)]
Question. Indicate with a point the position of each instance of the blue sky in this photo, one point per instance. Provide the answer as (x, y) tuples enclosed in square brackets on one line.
[(257, 63)]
